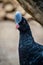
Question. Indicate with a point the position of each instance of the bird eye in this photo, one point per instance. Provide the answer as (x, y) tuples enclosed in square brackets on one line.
[(24, 22)]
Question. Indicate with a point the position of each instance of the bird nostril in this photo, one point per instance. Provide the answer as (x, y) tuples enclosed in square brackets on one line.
[(17, 26)]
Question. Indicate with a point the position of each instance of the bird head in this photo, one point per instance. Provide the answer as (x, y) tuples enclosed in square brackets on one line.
[(21, 23)]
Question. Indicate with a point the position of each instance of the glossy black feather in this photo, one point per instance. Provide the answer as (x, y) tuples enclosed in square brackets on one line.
[(30, 52)]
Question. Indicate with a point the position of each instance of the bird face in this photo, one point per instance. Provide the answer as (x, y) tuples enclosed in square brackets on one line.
[(22, 26), (21, 23)]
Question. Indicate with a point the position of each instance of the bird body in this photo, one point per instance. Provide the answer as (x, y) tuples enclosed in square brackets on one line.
[(30, 52)]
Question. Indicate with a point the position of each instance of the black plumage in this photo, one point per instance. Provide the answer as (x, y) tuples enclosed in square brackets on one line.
[(30, 52)]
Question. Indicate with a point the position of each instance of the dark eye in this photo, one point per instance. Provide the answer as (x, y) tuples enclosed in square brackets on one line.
[(24, 23)]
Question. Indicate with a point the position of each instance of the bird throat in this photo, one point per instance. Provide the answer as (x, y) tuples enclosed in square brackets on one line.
[(26, 38)]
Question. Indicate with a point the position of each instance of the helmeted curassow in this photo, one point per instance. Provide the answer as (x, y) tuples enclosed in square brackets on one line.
[(30, 52)]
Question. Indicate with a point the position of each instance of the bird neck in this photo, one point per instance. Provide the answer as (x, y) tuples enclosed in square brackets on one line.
[(26, 31), (26, 37)]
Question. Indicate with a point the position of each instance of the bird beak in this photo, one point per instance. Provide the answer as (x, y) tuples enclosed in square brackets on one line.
[(17, 26)]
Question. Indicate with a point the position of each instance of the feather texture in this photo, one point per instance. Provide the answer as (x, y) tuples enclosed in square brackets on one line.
[(30, 52)]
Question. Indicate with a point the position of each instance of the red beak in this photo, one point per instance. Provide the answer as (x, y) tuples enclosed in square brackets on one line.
[(17, 26)]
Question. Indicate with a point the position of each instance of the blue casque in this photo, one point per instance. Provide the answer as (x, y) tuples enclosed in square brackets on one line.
[(18, 17)]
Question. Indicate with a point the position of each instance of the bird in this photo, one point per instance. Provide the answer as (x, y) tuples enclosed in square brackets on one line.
[(30, 52)]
